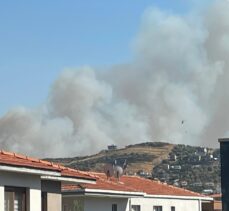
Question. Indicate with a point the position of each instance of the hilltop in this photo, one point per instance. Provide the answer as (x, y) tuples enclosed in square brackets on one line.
[(142, 156), (194, 168)]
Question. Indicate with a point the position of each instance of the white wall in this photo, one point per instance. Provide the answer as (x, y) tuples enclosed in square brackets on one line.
[(94, 203), (31, 182), (35, 200), (180, 204), (1, 198), (105, 204), (69, 203), (54, 201)]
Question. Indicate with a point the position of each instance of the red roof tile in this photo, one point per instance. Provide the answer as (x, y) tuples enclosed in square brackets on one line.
[(217, 195), (133, 184), (152, 187), (101, 184), (18, 160)]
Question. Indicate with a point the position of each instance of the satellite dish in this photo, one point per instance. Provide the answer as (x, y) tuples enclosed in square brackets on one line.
[(109, 170), (118, 172), (115, 170)]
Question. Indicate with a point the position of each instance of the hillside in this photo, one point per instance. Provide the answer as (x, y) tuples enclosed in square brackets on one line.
[(143, 156), (194, 168)]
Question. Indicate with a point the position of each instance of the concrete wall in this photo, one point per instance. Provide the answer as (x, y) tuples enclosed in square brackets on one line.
[(34, 199), (105, 204), (93, 203), (72, 203), (31, 182), (180, 204), (54, 202), (1, 198)]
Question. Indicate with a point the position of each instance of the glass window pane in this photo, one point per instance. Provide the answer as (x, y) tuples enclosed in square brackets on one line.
[(114, 207), (9, 199), (15, 199), (157, 208), (136, 208)]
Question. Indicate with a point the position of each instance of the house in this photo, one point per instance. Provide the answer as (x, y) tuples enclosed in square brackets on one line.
[(131, 193), (112, 147), (30, 184), (217, 203)]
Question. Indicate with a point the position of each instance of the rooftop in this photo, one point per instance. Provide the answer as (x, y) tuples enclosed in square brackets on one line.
[(18, 160), (131, 184)]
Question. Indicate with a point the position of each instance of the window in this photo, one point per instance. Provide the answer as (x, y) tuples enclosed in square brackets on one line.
[(157, 208), (173, 209), (15, 199), (135, 208), (44, 201), (114, 207)]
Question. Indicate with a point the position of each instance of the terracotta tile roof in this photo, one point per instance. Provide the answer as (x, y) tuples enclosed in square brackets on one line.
[(68, 172), (14, 159), (133, 184), (18, 160), (153, 187), (101, 184), (217, 195)]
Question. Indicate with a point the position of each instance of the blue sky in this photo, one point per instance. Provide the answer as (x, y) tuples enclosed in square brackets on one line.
[(39, 39)]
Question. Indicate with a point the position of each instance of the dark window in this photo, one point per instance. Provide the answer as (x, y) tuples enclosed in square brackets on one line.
[(135, 208), (44, 201), (173, 209), (114, 207), (157, 208), (15, 199)]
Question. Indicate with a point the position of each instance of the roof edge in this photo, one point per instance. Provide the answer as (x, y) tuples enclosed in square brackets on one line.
[(180, 197), (27, 170), (69, 179), (223, 140)]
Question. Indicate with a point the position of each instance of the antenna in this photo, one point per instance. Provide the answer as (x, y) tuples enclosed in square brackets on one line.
[(118, 172), (124, 166)]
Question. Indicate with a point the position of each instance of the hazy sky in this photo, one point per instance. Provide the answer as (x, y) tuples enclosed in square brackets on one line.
[(76, 76), (39, 39)]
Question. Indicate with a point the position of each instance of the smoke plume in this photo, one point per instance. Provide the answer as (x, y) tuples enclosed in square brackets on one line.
[(175, 89)]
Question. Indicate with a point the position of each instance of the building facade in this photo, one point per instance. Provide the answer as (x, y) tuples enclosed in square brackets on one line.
[(29, 184), (131, 193)]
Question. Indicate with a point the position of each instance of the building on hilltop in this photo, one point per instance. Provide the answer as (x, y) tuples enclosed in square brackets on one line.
[(112, 147)]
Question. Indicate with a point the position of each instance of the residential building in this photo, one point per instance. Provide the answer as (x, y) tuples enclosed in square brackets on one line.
[(217, 203), (131, 193), (30, 184)]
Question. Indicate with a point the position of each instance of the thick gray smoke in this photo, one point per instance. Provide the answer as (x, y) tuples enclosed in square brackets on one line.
[(175, 89)]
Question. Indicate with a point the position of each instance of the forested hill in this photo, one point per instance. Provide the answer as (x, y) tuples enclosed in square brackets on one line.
[(194, 168)]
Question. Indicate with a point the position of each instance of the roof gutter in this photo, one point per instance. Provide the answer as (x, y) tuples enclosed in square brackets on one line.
[(68, 179), (28, 170), (104, 193), (124, 194), (180, 197)]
